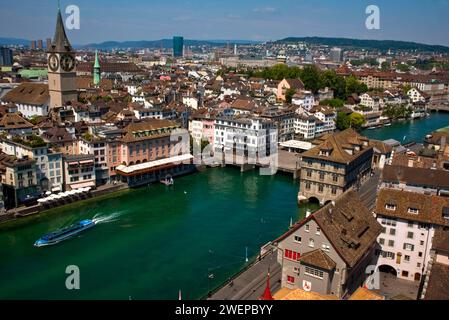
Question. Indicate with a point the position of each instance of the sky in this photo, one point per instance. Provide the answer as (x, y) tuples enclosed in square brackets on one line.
[(424, 21)]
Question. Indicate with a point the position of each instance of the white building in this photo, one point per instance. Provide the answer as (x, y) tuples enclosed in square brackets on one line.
[(305, 99), (31, 99), (409, 221), (417, 95), (49, 173), (251, 134)]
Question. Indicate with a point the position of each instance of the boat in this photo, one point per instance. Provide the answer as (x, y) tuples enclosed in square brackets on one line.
[(64, 234), (168, 181)]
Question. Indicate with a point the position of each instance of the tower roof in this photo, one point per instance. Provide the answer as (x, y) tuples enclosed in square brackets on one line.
[(97, 60), (60, 41)]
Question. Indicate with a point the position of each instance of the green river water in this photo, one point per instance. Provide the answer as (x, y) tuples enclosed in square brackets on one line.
[(155, 241)]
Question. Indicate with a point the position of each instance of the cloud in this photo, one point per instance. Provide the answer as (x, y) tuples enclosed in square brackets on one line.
[(264, 10)]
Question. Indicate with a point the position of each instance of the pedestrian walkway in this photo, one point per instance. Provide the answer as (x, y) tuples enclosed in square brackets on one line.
[(251, 284)]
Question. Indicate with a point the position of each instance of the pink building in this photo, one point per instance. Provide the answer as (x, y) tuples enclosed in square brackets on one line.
[(409, 221)]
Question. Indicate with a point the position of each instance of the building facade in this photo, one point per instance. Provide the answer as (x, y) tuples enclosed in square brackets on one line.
[(338, 162)]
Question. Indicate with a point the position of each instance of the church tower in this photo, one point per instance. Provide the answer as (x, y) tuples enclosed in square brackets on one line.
[(97, 70), (61, 67)]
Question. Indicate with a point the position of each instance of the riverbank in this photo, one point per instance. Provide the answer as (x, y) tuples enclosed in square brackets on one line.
[(410, 131)]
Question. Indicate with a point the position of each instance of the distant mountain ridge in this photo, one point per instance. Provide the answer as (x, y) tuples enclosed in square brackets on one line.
[(165, 43), (14, 42), (367, 44)]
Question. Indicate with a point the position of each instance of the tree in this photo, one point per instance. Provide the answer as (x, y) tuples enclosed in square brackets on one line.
[(334, 103), (311, 78), (403, 67), (357, 120), (355, 86), (385, 66), (289, 95), (343, 121)]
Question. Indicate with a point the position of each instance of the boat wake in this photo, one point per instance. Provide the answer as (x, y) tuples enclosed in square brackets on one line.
[(100, 219)]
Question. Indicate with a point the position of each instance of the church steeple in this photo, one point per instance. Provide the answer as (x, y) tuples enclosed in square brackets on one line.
[(60, 41), (97, 69)]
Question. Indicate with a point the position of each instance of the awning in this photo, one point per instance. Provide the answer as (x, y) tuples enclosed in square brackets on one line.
[(82, 185), (154, 164)]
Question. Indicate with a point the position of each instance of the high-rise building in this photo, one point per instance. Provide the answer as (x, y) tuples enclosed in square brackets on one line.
[(6, 57), (61, 68), (336, 55), (178, 47), (33, 45), (48, 43), (40, 44)]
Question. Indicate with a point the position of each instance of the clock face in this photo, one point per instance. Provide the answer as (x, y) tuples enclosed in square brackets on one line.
[(53, 62), (67, 62)]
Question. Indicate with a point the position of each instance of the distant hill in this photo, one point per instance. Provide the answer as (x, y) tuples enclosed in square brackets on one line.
[(14, 42), (383, 45), (166, 43)]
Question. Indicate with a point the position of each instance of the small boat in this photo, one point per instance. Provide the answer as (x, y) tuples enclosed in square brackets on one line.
[(168, 181), (388, 125), (64, 234)]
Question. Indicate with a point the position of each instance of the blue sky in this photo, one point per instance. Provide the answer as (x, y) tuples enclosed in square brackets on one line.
[(103, 20)]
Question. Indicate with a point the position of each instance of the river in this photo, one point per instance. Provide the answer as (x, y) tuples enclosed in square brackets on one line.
[(153, 241), (413, 130)]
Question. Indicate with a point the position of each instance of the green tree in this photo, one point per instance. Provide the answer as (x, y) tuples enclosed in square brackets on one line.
[(334, 103), (289, 95), (343, 121), (353, 85), (311, 78), (357, 120)]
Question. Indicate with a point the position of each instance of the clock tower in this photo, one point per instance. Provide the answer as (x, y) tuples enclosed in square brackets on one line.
[(61, 68)]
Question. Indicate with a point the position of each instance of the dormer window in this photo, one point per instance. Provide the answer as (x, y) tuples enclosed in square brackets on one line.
[(390, 207), (446, 213), (413, 210)]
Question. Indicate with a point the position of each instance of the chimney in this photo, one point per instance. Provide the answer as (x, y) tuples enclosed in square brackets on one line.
[(308, 213)]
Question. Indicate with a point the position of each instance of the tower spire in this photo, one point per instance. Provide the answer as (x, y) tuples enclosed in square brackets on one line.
[(97, 69), (267, 294), (60, 42)]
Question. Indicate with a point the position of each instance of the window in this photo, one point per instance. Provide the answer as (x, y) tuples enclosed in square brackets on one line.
[(413, 211), (335, 178), (308, 185), (298, 239), (334, 190), (326, 247), (407, 258), (392, 232), (409, 247), (314, 272), (381, 241), (420, 254), (309, 173), (388, 255), (311, 243), (384, 230), (405, 273), (292, 255), (418, 265), (411, 224), (410, 235), (290, 280), (321, 188), (421, 243), (307, 228), (391, 243), (318, 231), (321, 175), (296, 270), (391, 207)]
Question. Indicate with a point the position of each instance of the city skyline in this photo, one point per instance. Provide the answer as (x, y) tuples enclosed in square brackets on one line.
[(252, 20)]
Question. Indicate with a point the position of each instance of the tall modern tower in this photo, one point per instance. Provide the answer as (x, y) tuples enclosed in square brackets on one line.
[(61, 67), (178, 47), (97, 70)]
